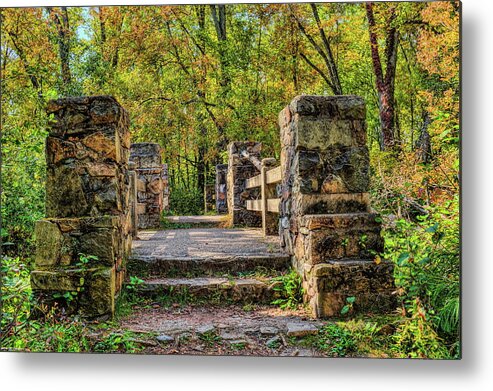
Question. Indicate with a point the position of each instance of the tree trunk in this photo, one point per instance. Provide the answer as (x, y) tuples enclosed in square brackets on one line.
[(218, 13), (331, 76), (385, 83), (423, 145), (61, 22)]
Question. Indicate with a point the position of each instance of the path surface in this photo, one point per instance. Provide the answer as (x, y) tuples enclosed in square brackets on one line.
[(261, 331), (205, 242), (204, 280)]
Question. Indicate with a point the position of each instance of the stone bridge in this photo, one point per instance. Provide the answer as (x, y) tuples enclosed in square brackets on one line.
[(313, 207)]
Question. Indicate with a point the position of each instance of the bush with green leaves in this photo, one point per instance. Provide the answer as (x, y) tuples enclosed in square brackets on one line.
[(15, 296), (289, 287), (332, 339), (186, 202), (427, 277), (23, 175)]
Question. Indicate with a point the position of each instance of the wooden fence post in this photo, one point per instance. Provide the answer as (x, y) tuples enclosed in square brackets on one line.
[(269, 219), (132, 174)]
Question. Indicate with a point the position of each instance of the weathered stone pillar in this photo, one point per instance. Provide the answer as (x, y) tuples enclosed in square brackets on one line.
[(221, 186), (83, 244), (326, 224), (150, 183), (240, 169)]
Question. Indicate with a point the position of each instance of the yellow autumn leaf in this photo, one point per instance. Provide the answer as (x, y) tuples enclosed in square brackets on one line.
[(378, 259)]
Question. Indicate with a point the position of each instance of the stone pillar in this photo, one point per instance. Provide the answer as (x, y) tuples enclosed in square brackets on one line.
[(326, 223), (240, 169), (150, 183), (83, 244), (221, 185)]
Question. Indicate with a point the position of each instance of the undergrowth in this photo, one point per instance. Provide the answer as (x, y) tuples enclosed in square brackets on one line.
[(289, 289)]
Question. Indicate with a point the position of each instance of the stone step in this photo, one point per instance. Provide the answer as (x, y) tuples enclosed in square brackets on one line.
[(163, 266), (218, 290)]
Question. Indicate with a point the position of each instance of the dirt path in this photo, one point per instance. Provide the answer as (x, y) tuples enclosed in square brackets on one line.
[(231, 330)]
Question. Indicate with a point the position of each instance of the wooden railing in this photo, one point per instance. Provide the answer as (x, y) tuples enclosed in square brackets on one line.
[(268, 203)]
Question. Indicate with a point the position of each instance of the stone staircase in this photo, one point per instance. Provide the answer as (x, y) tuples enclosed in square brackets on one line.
[(207, 265)]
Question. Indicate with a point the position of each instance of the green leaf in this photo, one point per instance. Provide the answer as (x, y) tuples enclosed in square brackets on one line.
[(351, 299), (402, 258), (432, 229)]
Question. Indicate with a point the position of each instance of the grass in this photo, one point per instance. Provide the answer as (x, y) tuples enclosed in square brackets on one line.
[(210, 338)]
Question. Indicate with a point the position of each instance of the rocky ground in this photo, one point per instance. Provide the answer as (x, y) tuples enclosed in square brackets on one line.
[(229, 330)]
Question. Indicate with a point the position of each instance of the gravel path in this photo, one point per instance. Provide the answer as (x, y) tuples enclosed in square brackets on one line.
[(205, 242)]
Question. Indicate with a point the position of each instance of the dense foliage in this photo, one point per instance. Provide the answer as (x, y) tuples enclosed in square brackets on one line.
[(195, 77)]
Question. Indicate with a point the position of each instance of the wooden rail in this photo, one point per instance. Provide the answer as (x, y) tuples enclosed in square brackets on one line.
[(268, 203)]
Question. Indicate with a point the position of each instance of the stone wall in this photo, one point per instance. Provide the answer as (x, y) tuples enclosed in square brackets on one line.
[(87, 198), (221, 189), (325, 221), (239, 169), (152, 180)]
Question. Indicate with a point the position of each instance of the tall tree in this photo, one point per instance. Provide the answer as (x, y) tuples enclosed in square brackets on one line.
[(324, 50), (60, 20), (385, 80)]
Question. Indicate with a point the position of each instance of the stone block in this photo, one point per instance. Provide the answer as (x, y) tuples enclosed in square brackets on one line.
[(76, 115), (301, 329), (103, 145), (341, 236), (308, 204), (346, 107), (50, 245), (149, 161), (100, 294), (336, 170), (59, 242), (141, 149), (65, 196), (370, 284), (93, 290), (58, 280), (141, 186), (315, 133)]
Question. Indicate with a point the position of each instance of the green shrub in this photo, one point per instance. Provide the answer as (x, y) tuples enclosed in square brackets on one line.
[(23, 180), (427, 266), (117, 342), (331, 339), (185, 202), (15, 296), (290, 289)]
